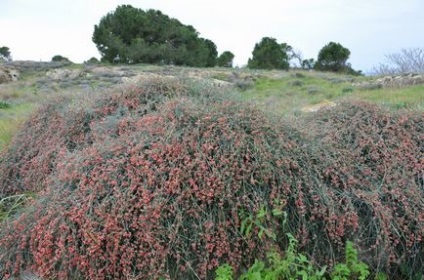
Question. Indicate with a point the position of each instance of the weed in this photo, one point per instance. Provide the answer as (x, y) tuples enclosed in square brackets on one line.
[(224, 272), (296, 83), (249, 222), (352, 268), (313, 90), (347, 89), (11, 204), (4, 105), (293, 265)]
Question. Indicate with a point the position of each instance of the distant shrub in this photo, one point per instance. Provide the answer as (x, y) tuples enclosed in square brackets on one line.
[(347, 89), (333, 57), (244, 84), (5, 54), (59, 58), (410, 60), (268, 54), (225, 59), (93, 60), (299, 75), (4, 105), (296, 83), (313, 90)]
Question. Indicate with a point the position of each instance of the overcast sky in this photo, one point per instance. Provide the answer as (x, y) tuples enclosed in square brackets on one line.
[(370, 29)]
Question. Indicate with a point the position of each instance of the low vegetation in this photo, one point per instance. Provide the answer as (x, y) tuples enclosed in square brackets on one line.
[(294, 265), (174, 177)]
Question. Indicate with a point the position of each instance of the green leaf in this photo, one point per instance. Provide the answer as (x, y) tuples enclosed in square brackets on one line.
[(224, 272), (322, 271), (248, 229), (260, 233), (243, 226), (303, 273), (277, 212), (302, 258), (262, 213)]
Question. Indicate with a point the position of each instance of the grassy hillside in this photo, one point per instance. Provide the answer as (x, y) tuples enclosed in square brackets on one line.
[(279, 91), (293, 91), (170, 173)]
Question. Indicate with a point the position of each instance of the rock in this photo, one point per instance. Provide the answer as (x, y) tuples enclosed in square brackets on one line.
[(320, 106), (406, 79), (63, 74), (148, 76), (143, 77), (109, 72), (8, 74), (34, 66)]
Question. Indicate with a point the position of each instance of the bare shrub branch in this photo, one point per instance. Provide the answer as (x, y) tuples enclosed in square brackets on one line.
[(406, 61)]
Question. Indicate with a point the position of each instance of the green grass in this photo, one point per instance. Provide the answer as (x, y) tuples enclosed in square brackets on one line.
[(290, 93), (10, 120), (9, 205), (396, 98)]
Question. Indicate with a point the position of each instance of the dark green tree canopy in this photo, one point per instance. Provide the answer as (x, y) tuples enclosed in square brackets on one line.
[(59, 58), (308, 64), (5, 54), (268, 54), (225, 59), (212, 53), (333, 57), (131, 35)]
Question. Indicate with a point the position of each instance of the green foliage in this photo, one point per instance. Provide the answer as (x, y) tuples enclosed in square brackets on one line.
[(381, 276), (224, 272), (131, 35), (92, 60), (225, 59), (59, 58), (308, 64), (4, 105), (11, 204), (352, 268), (11, 117), (294, 265), (268, 54), (333, 57), (5, 54), (212, 53), (249, 222)]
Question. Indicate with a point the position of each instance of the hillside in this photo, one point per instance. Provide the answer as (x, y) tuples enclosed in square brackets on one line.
[(149, 172), (279, 91)]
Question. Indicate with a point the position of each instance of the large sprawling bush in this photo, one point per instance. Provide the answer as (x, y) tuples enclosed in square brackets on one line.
[(171, 179)]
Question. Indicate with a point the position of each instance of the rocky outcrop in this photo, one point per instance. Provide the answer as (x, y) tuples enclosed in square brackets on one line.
[(64, 74), (8, 74), (403, 80), (111, 72), (145, 76), (393, 81), (35, 66)]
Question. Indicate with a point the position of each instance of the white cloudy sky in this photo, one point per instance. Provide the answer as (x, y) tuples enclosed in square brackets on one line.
[(40, 29)]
